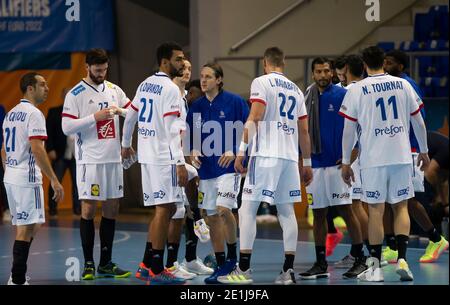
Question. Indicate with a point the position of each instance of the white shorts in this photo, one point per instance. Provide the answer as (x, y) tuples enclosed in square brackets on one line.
[(26, 204), (181, 209), (272, 180), (100, 181), (328, 188), (356, 186), (390, 184), (160, 184), (417, 176), (220, 191)]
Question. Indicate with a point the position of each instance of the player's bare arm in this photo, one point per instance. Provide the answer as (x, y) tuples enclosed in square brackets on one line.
[(348, 139), (418, 124), (305, 146)]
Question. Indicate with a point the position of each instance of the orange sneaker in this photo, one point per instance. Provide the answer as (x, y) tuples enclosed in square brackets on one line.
[(332, 241), (143, 272)]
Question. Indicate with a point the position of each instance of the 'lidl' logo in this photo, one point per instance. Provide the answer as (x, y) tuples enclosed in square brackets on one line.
[(310, 198), (200, 197), (95, 190)]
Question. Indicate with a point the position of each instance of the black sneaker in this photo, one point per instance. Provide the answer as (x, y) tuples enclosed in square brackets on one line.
[(89, 271), (358, 267), (112, 270), (318, 270)]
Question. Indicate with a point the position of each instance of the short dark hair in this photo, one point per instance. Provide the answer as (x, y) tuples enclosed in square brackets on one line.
[(275, 56), (340, 62), (194, 83), (400, 57), (373, 57), (320, 61), (165, 50), (218, 72), (96, 57), (28, 79), (355, 65)]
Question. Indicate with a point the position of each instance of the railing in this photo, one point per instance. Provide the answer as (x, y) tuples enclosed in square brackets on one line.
[(379, 25), (258, 59), (250, 36), (307, 59)]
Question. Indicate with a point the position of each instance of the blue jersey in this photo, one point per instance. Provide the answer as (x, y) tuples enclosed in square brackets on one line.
[(331, 127), (412, 137), (225, 109)]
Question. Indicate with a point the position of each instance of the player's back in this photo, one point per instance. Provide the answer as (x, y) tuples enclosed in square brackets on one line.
[(277, 134), (156, 98), (384, 104), (22, 123)]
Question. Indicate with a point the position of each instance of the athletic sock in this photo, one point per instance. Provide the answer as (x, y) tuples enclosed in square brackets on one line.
[(244, 261), (21, 249), (402, 244), (87, 233), (107, 229)]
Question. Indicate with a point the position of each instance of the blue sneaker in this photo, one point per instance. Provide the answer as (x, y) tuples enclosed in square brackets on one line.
[(221, 271), (164, 278)]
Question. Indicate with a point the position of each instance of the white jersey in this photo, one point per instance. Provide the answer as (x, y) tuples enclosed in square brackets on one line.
[(23, 123), (382, 105), (100, 143), (349, 85), (277, 134), (156, 98)]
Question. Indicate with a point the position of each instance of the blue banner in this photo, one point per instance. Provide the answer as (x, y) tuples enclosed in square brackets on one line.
[(34, 61), (56, 25)]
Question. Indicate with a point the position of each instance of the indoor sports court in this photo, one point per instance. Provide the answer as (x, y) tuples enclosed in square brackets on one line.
[(223, 143), (60, 242)]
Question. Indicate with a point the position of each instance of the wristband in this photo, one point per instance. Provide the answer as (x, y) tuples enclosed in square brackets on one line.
[(307, 162), (243, 146)]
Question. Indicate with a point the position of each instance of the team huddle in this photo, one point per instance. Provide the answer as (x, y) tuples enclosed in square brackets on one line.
[(357, 149)]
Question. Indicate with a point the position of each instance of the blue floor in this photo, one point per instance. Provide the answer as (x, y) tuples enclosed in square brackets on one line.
[(56, 242)]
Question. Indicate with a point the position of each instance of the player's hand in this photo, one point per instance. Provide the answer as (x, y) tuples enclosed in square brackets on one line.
[(182, 175), (238, 164), (104, 114), (58, 190), (52, 155), (116, 110), (423, 160), (347, 174), (194, 158), (226, 159), (306, 174), (339, 163), (127, 152)]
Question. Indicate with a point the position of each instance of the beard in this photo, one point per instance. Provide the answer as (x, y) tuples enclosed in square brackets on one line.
[(97, 80), (323, 83), (394, 72), (174, 72)]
